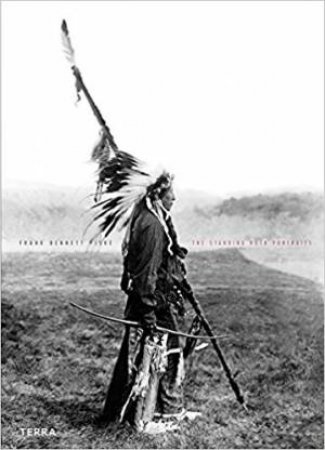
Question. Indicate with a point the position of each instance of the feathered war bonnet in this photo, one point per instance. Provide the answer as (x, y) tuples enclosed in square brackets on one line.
[(125, 183)]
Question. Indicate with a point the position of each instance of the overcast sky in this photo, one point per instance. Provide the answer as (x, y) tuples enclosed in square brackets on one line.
[(226, 95)]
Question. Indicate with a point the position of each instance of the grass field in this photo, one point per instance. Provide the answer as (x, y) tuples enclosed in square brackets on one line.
[(57, 361)]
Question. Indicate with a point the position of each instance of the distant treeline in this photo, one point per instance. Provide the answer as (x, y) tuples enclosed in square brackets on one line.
[(303, 206), (65, 214)]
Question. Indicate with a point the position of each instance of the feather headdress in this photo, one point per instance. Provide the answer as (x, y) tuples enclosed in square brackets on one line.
[(123, 180)]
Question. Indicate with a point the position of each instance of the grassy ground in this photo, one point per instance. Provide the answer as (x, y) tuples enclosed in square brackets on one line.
[(57, 361)]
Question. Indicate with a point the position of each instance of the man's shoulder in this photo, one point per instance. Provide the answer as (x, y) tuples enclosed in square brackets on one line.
[(146, 228), (148, 220)]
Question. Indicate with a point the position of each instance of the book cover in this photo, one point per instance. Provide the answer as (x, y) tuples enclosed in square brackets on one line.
[(227, 96)]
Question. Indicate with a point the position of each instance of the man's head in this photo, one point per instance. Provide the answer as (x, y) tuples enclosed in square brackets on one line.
[(163, 190), (167, 198)]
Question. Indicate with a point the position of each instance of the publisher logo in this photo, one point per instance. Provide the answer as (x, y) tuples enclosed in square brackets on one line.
[(45, 432)]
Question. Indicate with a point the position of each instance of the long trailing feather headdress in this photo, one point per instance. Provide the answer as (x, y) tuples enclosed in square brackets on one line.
[(123, 180)]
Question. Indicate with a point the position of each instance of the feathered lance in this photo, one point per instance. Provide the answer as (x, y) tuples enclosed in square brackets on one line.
[(107, 142), (80, 85), (103, 155)]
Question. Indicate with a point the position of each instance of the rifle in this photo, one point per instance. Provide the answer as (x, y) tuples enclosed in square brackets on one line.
[(188, 293)]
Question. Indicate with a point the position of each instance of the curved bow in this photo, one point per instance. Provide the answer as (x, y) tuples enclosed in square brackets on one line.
[(131, 323)]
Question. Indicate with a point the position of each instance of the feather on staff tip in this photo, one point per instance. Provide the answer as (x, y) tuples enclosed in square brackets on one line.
[(66, 42)]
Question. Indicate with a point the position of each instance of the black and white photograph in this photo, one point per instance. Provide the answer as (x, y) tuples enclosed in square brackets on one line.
[(162, 224)]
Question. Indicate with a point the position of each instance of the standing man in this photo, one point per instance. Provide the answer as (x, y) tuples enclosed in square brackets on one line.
[(148, 376)]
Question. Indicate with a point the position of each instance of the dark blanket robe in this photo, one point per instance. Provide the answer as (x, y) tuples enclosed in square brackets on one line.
[(150, 266)]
